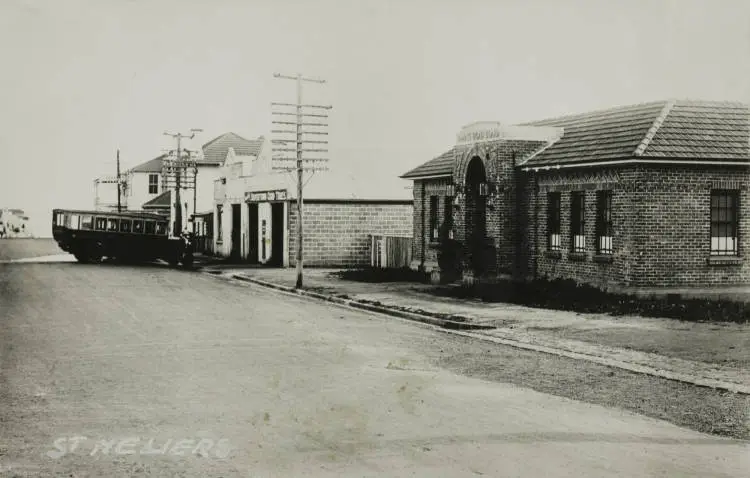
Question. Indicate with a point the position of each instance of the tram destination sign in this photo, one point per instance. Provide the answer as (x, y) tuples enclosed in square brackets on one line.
[(262, 196)]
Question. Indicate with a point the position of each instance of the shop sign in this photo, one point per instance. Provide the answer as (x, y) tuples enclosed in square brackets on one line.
[(262, 196)]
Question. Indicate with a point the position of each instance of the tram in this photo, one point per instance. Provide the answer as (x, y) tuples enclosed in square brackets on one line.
[(125, 236)]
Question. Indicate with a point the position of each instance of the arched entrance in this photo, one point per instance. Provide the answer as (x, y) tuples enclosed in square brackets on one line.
[(476, 216)]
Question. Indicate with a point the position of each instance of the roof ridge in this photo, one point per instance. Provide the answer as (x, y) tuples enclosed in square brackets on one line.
[(221, 136), (641, 148), (584, 114)]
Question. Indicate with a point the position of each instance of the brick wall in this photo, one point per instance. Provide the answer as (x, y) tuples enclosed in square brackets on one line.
[(337, 233), (661, 221), (672, 226), (606, 271), (502, 213)]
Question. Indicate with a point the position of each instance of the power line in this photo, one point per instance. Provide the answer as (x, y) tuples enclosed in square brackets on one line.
[(298, 163), (168, 169)]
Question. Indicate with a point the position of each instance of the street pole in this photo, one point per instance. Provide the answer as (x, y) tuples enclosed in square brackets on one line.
[(195, 195), (119, 185), (177, 170), (300, 168), (178, 204), (298, 284)]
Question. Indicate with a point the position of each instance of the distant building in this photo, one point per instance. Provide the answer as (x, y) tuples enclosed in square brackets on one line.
[(144, 187), (645, 198), (14, 223)]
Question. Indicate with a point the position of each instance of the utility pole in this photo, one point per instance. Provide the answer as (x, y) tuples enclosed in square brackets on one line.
[(177, 173), (119, 185), (299, 141)]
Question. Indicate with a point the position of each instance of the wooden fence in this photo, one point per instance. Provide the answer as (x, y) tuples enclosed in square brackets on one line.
[(390, 252)]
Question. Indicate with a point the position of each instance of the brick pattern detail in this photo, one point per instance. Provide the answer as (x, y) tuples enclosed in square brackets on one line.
[(660, 218), (338, 234)]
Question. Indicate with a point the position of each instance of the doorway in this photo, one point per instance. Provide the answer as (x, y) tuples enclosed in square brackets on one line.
[(277, 235), (252, 254), (236, 232)]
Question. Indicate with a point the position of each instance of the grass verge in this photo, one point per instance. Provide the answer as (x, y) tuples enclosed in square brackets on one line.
[(698, 408)]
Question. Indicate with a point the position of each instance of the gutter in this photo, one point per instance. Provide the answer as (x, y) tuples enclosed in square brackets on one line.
[(636, 161)]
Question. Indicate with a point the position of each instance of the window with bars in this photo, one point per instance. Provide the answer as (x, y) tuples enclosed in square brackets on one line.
[(153, 183), (578, 221), (604, 222), (725, 206), (433, 218), (553, 222)]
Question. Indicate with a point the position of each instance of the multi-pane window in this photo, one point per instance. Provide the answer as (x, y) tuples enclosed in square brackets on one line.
[(150, 227), (161, 228), (153, 183), (138, 227), (100, 223), (553, 221), (578, 221), (124, 225), (604, 222), (433, 218), (448, 218), (112, 225), (724, 222)]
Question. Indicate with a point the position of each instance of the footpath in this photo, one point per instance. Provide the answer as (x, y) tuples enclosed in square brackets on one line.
[(713, 355)]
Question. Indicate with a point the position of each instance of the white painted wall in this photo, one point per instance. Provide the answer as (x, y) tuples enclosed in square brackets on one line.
[(137, 189)]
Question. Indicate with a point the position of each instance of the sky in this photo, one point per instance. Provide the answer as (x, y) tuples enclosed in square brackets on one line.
[(82, 79)]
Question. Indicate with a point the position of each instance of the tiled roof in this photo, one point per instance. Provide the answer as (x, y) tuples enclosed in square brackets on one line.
[(160, 201), (703, 130), (676, 129), (600, 135), (681, 129), (216, 149), (152, 166), (440, 166)]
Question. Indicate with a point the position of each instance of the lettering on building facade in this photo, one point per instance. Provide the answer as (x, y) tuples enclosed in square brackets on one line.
[(262, 196)]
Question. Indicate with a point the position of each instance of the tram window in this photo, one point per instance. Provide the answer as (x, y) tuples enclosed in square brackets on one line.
[(161, 228), (100, 223), (75, 221), (60, 219), (124, 225), (150, 227), (87, 222), (112, 225), (138, 226)]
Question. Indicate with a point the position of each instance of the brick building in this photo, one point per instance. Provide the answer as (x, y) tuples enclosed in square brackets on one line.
[(256, 215), (644, 198)]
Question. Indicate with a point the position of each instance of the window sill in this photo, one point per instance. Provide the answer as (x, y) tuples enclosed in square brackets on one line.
[(553, 254), (603, 258), (577, 256), (725, 260)]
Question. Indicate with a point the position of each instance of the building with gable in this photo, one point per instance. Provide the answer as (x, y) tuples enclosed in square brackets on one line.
[(645, 198), (144, 186)]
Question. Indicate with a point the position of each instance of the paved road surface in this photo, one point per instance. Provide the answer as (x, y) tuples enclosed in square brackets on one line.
[(173, 373)]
